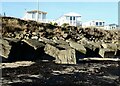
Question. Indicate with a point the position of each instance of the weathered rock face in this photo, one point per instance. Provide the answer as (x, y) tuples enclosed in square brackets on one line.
[(47, 41), (110, 46), (113, 48), (80, 50), (118, 51), (16, 28), (78, 47), (34, 43), (107, 53), (32, 40), (60, 42), (5, 48), (92, 46), (67, 56), (61, 56), (92, 49)]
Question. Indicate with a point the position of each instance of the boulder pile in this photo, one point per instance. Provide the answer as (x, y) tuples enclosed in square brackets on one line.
[(29, 40)]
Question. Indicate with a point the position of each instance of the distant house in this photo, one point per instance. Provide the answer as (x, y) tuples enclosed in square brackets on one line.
[(94, 23), (35, 15), (73, 19), (111, 26)]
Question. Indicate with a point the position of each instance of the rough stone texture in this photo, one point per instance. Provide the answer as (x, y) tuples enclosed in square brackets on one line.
[(17, 64), (62, 42), (63, 46), (107, 53), (92, 49), (43, 73), (78, 47), (34, 43), (87, 41), (67, 56), (51, 50), (5, 48), (110, 46), (61, 56), (118, 51), (47, 41), (93, 46)]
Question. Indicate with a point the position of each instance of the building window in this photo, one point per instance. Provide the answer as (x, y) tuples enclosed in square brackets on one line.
[(33, 15), (67, 18), (71, 18), (100, 23), (44, 16), (39, 16), (96, 23)]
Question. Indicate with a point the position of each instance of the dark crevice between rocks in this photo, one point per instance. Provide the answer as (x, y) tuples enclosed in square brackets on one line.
[(79, 55), (109, 54), (118, 54), (3, 59), (91, 53), (21, 51)]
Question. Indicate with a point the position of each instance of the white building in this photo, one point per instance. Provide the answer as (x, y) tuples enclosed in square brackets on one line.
[(94, 23), (73, 19), (111, 26), (35, 15)]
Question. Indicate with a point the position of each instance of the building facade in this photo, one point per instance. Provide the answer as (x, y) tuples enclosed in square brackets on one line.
[(111, 26), (73, 19), (35, 15), (94, 23)]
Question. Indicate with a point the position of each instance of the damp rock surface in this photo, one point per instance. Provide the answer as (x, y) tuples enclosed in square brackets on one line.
[(52, 74)]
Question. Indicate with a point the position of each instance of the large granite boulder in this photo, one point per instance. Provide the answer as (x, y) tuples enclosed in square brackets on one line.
[(61, 55)]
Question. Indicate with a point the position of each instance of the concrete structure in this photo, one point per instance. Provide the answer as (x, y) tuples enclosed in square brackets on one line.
[(73, 19), (94, 23), (111, 26), (35, 15)]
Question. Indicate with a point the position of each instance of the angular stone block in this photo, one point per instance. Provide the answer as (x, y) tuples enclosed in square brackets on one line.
[(62, 56), (107, 53)]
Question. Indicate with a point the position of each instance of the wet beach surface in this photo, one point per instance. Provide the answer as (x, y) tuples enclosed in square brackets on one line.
[(51, 74)]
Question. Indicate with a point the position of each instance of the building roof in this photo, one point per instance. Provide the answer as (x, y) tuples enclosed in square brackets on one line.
[(113, 25), (35, 11), (72, 14), (97, 20)]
